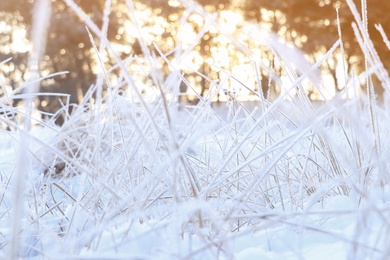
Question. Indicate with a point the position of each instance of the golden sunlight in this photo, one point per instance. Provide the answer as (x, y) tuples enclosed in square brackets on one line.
[(211, 39)]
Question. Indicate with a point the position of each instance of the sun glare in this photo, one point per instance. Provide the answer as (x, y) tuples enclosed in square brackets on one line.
[(19, 42), (203, 44)]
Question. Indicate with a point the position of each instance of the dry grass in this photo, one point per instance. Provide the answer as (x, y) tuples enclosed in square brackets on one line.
[(122, 169)]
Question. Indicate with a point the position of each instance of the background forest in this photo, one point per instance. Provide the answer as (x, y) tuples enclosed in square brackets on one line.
[(213, 37)]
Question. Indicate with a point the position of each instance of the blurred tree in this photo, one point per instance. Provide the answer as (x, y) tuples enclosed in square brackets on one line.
[(68, 48), (312, 25)]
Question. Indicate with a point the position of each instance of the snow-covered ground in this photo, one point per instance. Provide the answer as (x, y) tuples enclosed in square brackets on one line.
[(134, 185)]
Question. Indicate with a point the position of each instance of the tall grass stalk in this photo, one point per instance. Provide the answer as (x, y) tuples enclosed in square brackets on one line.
[(41, 15)]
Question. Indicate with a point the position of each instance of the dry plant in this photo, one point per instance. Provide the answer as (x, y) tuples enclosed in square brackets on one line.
[(122, 170)]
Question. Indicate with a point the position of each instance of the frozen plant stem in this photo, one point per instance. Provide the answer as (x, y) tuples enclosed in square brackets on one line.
[(41, 17)]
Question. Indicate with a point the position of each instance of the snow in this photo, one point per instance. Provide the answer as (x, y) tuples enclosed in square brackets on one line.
[(143, 207)]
